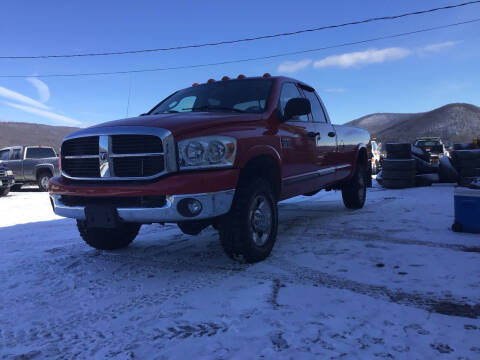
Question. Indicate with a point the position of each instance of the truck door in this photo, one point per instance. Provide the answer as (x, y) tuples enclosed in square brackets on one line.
[(15, 163), (300, 162), (326, 139)]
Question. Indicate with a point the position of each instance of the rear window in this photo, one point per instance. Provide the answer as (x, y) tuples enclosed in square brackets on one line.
[(40, 153), (428, 143)]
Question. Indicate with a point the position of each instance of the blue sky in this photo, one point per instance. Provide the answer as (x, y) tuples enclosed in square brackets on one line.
[(408, 74)]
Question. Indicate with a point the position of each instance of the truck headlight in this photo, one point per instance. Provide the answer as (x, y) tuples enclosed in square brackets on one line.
[(207, 152), (9, 172)]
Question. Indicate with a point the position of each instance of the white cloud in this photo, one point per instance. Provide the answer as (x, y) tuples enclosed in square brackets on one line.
[(335, 90), (370, 56), (44, 113), (440, 46), (15, 96), (42, 88), (293, 66)]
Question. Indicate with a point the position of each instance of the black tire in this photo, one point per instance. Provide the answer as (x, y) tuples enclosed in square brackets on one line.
[(399, 164), (398, 148), (463, 146), (462, 163), (466, 154), (398, 184), (354, 192), (469, 172), (426, 179), (446, 171), (42, 180), (16, 187), (424, 167), (4, 192), (457, 227), (422, 154), (239, 236), (398, 174), (399, 155), (108, 239)]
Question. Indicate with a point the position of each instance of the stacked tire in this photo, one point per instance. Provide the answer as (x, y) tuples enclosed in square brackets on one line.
[(467, 163), (399, 169)]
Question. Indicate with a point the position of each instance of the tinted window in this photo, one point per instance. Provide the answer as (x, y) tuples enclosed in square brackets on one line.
[(4, 154), (39, 153), (220, 96), (16, 154), (317, 111), (290, 91)]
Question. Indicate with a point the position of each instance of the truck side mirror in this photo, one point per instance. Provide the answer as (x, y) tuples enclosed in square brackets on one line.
[(297, 107)]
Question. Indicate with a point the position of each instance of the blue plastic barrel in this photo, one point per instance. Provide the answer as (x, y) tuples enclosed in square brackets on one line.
[(467, 210)]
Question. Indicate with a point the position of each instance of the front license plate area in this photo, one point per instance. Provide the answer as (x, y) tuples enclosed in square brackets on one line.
[(101, 216)]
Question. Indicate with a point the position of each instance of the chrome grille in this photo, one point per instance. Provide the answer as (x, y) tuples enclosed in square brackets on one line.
[(3, 173), (118, 155)]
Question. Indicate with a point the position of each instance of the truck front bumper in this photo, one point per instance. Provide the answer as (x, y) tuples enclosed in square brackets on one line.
[(176, 208), (211, 193)]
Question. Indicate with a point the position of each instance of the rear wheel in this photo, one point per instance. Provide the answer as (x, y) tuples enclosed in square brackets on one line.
[(354, 192), (248, 232), (42, 180), (108, 239)]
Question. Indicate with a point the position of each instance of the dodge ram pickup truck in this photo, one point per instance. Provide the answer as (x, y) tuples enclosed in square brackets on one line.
[(222, 153), (31, 164)]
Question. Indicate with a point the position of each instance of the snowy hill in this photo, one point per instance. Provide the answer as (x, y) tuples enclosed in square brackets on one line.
[(453, 123)]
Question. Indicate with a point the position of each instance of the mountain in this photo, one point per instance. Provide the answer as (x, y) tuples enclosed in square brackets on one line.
[(17, 133), (453, 123)]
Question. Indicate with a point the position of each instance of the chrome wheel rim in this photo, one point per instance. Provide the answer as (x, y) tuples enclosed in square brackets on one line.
[(260, 220), (44, 182)]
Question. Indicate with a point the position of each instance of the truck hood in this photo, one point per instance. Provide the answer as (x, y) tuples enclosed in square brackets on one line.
[(182, 123)]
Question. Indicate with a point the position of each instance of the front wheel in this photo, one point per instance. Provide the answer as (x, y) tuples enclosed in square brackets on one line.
[(354, 192), (108, 239), (248, 232)]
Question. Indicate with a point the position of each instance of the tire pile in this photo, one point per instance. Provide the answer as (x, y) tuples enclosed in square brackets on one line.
[(408, 166), (466, 160)]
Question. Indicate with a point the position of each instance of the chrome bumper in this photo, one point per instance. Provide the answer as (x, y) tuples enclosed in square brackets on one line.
[(213, 205)]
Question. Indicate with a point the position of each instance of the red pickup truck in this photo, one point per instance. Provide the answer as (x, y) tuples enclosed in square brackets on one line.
[(221, 153)]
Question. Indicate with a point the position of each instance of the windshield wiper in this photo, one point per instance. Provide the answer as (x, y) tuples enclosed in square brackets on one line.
[(211, 107)]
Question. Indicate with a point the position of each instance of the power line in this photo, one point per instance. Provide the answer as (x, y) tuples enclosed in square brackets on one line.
[(391, 17), (247, 59)]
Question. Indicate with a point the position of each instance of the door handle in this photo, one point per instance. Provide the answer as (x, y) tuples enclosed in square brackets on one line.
[(313, 134), (332, 133)]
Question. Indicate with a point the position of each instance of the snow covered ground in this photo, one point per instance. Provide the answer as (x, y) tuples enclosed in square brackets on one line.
[(388, 281)]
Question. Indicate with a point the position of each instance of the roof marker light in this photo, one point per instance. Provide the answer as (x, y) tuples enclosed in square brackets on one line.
[(211, 81), (266, 75), (241, 76), (195, 84), (225, 78)]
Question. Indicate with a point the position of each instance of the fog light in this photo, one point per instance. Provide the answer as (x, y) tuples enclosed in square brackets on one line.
[(189, 207)]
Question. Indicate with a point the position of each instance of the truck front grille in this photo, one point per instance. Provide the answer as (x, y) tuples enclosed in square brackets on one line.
[(113, 157), (3, 173)]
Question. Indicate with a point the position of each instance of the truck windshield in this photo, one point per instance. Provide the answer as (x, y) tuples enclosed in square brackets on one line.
[(428, 143), (242, 96)]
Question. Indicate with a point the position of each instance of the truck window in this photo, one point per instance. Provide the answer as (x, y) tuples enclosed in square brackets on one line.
[(4, 154), (290, 91), (40, 153), (16, 154), (317, 110), (223, 96)]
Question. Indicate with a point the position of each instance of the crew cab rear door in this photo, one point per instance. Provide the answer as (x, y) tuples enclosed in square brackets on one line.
[(326, 139), (15, 163), (298, 137)]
